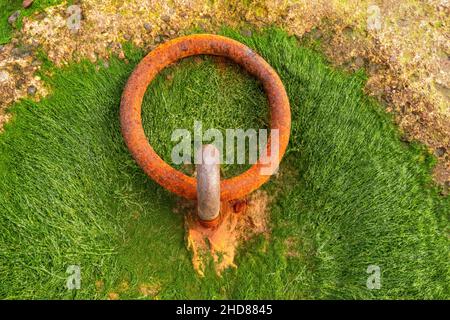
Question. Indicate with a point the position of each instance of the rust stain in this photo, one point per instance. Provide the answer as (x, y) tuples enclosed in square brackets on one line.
[(220, 242)]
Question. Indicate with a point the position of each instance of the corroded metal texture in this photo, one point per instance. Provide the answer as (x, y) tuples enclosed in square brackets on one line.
[(208, 183), (164, 55)]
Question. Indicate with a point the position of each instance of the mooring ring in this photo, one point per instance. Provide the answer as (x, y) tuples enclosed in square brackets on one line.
[(176, 49)]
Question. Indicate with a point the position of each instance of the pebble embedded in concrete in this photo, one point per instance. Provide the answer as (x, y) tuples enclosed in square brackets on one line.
[(13, 18), (4, 76), (148, 27), (439, 152), (31, 90), (27, 3), (165, 18)]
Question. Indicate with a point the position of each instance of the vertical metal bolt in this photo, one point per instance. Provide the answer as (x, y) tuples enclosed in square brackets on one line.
[(208, 183)]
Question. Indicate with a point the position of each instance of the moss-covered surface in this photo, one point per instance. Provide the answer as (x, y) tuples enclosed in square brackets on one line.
[(350, 193)]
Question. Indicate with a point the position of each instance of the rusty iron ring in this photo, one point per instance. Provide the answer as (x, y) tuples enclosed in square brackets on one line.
[(168, 53)]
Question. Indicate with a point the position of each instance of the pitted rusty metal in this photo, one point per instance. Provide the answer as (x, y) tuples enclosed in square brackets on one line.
[(208, 183), (168, 53)]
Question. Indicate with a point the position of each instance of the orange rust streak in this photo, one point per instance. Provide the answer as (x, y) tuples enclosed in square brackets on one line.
[(238, 222), (219, 240)]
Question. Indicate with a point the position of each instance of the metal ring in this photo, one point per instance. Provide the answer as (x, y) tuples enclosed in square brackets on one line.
[(176, 49)]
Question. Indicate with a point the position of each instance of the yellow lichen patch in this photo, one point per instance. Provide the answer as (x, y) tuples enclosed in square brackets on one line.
[(113, 296), (99, 285), (3, 119), (238, 222), (123, 286), (149, 290)]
